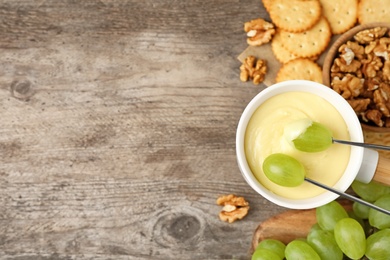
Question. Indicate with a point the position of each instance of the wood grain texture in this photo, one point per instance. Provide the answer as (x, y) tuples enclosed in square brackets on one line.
[(117, 129)]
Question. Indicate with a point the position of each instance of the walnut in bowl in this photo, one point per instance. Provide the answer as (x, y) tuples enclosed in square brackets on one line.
[(357, 66)]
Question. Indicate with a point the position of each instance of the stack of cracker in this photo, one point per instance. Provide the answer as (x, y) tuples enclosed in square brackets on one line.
[(304, 30)]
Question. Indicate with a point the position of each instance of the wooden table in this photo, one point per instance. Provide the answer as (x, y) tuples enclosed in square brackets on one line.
[(117, 135)]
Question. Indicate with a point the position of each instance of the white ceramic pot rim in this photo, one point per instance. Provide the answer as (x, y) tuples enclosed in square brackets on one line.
[(348, 114)]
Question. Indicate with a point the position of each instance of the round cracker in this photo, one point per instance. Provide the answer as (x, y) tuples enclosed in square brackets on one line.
[(370, 11), (341, 15), (280, 52), (295, 15), (267, 4), (300, 68), (308, 43)]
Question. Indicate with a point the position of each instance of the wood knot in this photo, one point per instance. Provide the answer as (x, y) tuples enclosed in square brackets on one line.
[(22, 89), (178, 229), (183, 227)]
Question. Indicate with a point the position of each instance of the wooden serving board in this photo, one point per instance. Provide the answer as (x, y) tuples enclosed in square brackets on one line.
[(289, 225), (382, 138)]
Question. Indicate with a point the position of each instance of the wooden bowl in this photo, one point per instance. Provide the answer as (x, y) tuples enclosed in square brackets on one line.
[(332, 53)]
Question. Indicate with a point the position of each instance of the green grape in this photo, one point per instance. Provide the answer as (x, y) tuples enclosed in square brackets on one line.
[(284, 170), (273, 245), (378, 219), (329, 214), (325, 245), (360, 210), (316, 138), (370, 191), (350, 237), (315, 227), (366, 227), (298, 249), (378, 245), (265, 254)]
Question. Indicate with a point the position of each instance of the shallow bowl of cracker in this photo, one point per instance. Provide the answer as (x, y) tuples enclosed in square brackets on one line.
[(358, 68)]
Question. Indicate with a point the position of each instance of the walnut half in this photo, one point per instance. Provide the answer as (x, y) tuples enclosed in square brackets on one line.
[(253, 69), (259, 32), (361, 74), (234, 208), (349, 86), (369, 35)]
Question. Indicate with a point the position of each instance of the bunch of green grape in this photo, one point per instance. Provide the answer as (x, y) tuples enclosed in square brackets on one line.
[(362, 233)]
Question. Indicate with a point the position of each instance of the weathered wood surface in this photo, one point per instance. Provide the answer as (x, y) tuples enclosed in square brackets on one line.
[(117, 129)]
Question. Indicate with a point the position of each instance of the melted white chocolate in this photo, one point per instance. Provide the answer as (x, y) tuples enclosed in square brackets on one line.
[(265, 135), (295, 129)]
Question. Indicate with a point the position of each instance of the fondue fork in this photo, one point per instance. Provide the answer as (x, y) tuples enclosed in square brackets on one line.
[(309, 136), (348, 196), (365, 145)]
